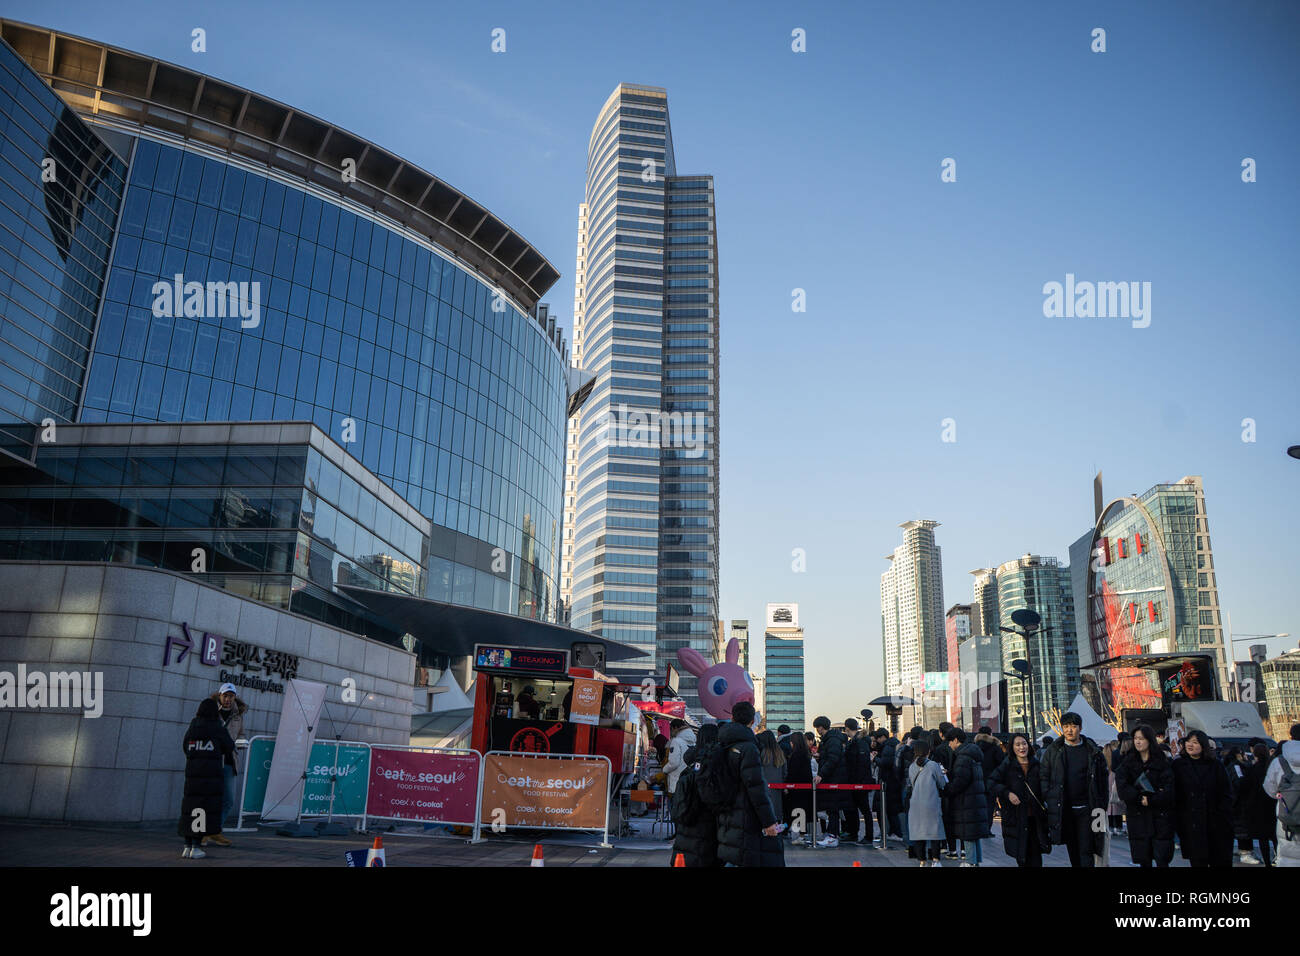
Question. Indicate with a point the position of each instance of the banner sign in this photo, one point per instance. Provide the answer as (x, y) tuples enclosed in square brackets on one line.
[(353, 771), (587, 695), (536, 792), (526, 659), (429, 787), (296, 731)]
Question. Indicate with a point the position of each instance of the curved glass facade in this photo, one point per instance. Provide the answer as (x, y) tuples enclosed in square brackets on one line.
[(431, 377), (60, 190), (460, 409)]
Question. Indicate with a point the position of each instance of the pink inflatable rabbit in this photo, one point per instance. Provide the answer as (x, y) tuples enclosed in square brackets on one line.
[(722, 685)]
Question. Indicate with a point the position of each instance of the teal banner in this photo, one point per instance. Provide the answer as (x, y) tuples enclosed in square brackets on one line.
[(351, 774)]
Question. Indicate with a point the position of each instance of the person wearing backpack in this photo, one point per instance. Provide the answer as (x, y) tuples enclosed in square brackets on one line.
[(1282, 783), (748, 830), (695, 824)]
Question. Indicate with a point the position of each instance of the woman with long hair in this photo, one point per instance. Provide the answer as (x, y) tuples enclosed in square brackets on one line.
[(925, 780), (1203, 804), (1260, 810), (774, 767), (1145, 781), (798, 805), (1018, 788)]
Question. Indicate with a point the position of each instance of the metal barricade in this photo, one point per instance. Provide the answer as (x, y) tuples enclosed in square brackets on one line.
[(329, 814)]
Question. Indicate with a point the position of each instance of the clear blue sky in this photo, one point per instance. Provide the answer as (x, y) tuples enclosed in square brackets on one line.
[(924, 298)]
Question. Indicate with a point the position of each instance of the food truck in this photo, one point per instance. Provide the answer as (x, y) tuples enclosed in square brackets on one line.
[(1189, 699), (524, 701)]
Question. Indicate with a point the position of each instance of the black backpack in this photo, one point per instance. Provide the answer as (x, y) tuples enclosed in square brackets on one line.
[(687, 806), (715, 780)]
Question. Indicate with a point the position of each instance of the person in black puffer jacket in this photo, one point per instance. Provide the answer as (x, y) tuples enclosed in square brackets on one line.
[(891, 789), (1150, 814), (696, 826), (747, 829), (967, 796), (941, 754), (992, 755), (207, 744), (857, 754), (831, 768), (1017, 785), (1203, 805)]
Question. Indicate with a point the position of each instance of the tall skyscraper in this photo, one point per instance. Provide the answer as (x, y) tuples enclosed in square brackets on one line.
[(783, 659), (1042, 585), (644, 450), (984, 603), (740, 631), (957, 628), (912, 621), (1151, 588)]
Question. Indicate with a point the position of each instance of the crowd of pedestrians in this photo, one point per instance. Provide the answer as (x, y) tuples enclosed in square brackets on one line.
[(943, 790)]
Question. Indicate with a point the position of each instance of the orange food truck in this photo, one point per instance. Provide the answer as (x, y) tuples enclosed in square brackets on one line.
[(524, 702)]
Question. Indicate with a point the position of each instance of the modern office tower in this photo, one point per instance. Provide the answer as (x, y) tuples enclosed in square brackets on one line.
[(1151, 589), (912, 622), (984, 603), (200, 256), (740, 631), (957, 628), (1042, 585), (784, 679), (645, 446), (981, 682), (1281, 677)]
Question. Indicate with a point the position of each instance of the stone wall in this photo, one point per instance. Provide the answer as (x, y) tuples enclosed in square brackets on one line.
[(127, 766)]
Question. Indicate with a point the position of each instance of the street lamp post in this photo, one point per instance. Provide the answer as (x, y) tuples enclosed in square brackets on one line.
[(1027, 626)]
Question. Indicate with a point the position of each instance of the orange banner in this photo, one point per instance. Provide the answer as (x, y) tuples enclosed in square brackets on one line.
[(587, 694), (542, 792)]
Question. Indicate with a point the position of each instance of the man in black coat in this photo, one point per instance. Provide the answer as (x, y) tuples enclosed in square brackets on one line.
[(1076, 789), (992, 755), (206, 745), (891, 789), (747, 830), (857, 757), (831, 768), (967, 794)]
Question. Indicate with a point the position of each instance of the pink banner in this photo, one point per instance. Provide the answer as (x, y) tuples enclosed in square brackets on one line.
[(429, 787)]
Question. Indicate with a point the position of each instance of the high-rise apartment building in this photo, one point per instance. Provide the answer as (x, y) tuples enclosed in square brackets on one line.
[(1042, 585), (783, 659), (912, 618), (644, 449)]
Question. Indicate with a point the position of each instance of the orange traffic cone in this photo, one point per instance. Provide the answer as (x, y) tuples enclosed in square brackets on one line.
[(537, 856), (680, 860), (375, 856), (857, 862)]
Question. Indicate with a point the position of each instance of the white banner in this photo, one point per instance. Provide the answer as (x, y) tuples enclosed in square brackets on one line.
[(303, 700)]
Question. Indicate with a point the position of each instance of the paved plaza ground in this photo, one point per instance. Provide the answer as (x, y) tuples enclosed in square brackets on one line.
[(23, 844)]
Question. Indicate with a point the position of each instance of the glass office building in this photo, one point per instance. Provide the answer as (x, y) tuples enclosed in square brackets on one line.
[(1042, 585), (317, 279), (642, 563), (783, 692), (1152, 588)]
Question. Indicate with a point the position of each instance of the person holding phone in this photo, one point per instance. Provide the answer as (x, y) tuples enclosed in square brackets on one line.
[(1144, 780)]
